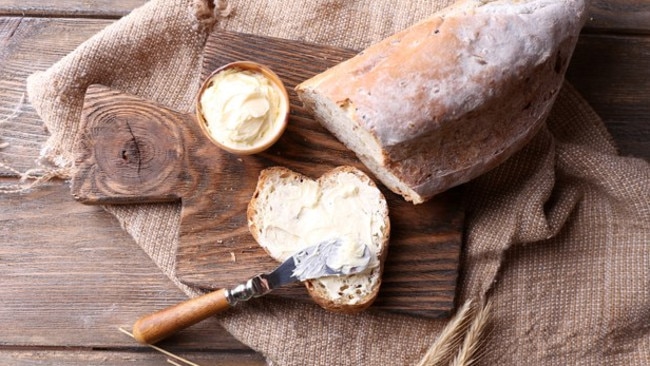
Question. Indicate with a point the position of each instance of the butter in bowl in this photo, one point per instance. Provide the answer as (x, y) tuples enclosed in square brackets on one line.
[(243, 107)]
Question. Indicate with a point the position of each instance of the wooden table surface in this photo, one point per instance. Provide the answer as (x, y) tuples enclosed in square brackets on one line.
[(68, 281)]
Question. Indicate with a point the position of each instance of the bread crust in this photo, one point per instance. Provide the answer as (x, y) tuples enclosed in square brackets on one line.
[(452, 96), (267, 177)]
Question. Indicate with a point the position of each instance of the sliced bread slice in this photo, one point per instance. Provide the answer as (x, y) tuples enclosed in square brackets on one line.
[(290, 211)]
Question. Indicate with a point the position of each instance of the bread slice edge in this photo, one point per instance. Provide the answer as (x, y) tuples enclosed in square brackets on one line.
[(317, 288)]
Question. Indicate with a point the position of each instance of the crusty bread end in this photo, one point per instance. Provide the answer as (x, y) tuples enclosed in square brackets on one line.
[(452, 96)]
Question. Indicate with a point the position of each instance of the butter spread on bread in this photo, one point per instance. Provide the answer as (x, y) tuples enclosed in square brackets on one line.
[(452, 96), (289, 212)]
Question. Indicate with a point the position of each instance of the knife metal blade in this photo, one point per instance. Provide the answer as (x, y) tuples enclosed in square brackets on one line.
[(306, 264)]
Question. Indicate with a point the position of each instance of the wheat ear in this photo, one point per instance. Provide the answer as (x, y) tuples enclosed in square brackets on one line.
[(444, 348), (471, 351)]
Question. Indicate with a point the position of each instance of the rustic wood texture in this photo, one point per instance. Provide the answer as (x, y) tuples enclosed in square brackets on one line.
[(612, 72), (59, 322), (86, 357), (623, 16), (134, 151), (71, 280), (28, 45), (604, 15), (69, 8)]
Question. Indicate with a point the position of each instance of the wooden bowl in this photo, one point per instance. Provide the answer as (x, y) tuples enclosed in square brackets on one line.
[(277, 128)]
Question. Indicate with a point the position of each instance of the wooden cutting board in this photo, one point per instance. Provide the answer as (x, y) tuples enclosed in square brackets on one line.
[(135, 151)]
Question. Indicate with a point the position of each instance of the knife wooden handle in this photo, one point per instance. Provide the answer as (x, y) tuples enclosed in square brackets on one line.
[(154, 327)]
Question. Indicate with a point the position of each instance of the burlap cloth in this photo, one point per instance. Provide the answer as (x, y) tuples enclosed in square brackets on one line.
[(557, 237)]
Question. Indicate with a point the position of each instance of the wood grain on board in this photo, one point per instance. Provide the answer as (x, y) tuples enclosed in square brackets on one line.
[(135, 151)]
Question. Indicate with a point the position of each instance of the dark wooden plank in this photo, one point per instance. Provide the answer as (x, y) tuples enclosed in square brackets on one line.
[(72, 280), (85, 357), (619, 16), (613, 74), (69, 8)]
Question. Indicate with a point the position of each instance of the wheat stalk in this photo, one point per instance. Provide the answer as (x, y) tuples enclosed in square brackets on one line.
[(164, 352), (470, 352), (442, 351)]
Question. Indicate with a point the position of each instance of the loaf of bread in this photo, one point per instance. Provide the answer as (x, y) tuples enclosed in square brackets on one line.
[(452, 96), (289, 212)]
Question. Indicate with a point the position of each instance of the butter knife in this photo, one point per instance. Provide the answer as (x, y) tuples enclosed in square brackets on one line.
[(306, 264)]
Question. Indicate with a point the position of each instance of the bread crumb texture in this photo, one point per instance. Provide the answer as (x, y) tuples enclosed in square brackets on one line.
[(290, 211), (452, 96)]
